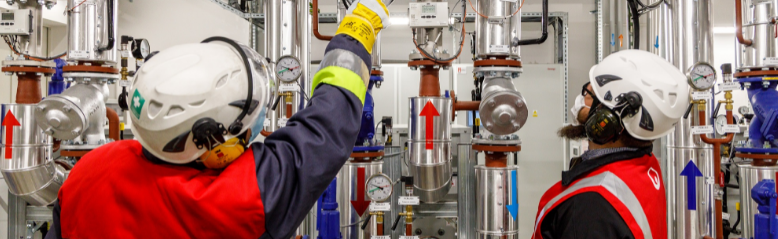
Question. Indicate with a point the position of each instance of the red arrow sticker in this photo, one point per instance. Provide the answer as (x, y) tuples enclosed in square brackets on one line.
[(360, 205), (9, 122), (429, 112)]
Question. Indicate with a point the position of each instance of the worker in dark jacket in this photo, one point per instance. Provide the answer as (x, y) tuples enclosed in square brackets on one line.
[(191, 174), (615, 189)]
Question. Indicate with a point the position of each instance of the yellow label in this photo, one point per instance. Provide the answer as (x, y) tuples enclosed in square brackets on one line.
[(535, 113), (770, 78), (359, 29)]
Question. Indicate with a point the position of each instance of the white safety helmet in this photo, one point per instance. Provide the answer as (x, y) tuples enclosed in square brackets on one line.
[(183, 92), (661, 85)]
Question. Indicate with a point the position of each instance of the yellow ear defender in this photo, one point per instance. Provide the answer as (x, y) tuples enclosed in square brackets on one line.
[(222, 155)]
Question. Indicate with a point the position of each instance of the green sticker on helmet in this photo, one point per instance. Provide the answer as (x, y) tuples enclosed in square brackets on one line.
[(136, 104)]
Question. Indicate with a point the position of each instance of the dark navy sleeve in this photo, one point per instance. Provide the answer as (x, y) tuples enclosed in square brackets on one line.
[(55, 232), (296, 163), (585, 216)]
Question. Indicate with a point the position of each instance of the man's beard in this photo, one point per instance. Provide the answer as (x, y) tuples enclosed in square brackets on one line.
[(572, 132)]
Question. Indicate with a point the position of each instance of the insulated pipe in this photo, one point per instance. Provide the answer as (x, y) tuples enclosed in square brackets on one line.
[(315, 14), (113, 123), (739, 24)]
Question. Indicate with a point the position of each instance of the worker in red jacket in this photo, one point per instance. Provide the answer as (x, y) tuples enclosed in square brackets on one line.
[(191, 173), (615, 190)]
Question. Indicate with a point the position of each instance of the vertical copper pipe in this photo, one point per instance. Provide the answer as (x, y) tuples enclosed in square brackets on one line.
[(315, 15), (113, 124), (408, 229), (430, 82), (380, 229), (717, 166), (29, 89), (739, 24), (496, 160), (288, 110)]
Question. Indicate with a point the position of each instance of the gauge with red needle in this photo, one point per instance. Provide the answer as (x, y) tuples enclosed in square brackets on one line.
[(288, 69), (379, 187), (702, 76)]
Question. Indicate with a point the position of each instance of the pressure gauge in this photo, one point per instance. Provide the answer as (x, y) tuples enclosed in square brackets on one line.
[(379, 187), (702, 76), (140, 48), (744, 110), (719, 124), (288, 69)]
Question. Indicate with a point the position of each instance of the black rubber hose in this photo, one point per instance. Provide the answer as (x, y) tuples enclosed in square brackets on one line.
[(275, 104), (635, 23), (367, 220), (111, 36), (737, 221), (544, 29), (716, 111), (396, 221), (688, 110)]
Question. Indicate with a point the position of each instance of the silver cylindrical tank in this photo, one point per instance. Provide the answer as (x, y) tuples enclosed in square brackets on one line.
[(347, 191), (493, 193), (76, 114), (503, 110), (27, 165), (88, 30), (757, 26), (430, 147), (502, 27), (750, 176)]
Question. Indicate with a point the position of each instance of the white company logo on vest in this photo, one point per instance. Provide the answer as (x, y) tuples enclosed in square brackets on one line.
[(654, 176)]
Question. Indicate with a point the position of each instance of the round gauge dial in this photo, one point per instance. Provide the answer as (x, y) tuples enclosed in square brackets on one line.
[(702, 76), (379, 187), (719, 124), (140, 48), (288, 69), (743, 110)]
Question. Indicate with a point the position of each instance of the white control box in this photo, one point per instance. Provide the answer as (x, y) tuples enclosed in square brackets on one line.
[(15, 22), (428, 14)]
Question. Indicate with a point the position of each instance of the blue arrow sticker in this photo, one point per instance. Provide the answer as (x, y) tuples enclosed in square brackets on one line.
[(656, 45), (613, 39), (691, 172), (513, 208)]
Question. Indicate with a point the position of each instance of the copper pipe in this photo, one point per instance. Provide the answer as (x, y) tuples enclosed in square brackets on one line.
[(717, 166), (496, 160), (55, 147), (739, 24), (288, 110), (265, 133), (429, 86), (113, 124), (315, 14), (379, 229), (29, 89), (408, 229)]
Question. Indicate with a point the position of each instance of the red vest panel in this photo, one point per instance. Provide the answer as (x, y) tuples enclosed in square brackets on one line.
[(114, 192), (634, 188)]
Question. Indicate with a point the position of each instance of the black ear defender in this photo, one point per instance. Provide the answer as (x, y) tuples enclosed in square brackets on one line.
[(604, 124)]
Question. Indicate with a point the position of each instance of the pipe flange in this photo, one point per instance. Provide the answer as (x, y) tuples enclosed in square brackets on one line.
[(87, 77), (506, 148), (60, 117), (508, 69), (29, 63)]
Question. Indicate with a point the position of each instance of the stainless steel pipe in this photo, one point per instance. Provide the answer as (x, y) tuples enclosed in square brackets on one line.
[(77, 114), (503, 110), (347, 191), (749, 177), (493, 193), (496, 34), (89, 29), (430, 147), (30, 171)]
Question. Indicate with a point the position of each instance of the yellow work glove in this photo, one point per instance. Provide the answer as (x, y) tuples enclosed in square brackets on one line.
[(364, 19)]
